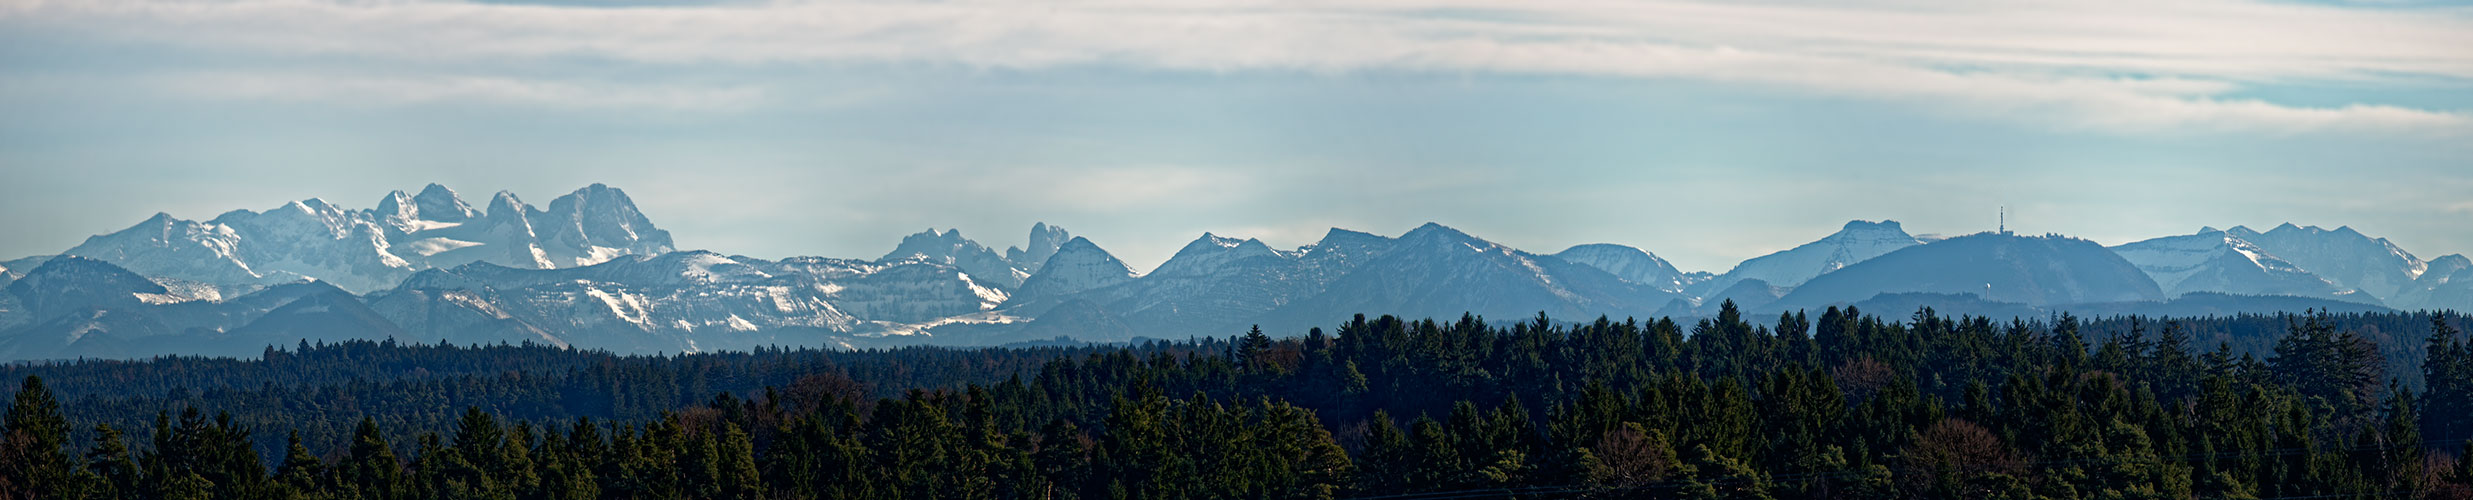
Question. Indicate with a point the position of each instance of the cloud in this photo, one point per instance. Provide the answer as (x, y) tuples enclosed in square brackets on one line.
[(1094, 189), (422, 89), (2106, 65)]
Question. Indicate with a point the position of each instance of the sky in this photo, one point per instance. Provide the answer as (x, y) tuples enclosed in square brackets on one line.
[(1705, 132)]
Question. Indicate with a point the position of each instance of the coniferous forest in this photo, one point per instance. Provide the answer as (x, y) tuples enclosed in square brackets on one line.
[(1841, 404)]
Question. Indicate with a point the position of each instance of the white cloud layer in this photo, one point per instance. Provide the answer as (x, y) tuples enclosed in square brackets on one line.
[(2106, 65)]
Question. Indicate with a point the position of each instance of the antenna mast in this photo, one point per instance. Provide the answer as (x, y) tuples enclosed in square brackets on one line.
[(2004, 219)]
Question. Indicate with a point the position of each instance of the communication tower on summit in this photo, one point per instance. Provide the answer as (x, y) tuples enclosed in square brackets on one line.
[(2004, 227)]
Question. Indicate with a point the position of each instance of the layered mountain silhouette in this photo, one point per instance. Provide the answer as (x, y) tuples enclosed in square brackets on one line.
[(591, 271)]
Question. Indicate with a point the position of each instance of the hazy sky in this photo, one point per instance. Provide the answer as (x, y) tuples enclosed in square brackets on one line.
[(1707, 132)]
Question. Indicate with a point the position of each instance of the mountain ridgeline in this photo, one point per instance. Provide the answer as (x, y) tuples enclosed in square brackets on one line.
[(592, 271)]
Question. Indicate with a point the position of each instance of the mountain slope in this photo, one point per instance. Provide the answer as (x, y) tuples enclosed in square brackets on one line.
[(949, 247), (2217, 261), (69, 285), (1855, 242), (2342, 256), (2037, 271), (1436, 271), (1078, 266), (2446, 284), (1215, 285), (1632, 264)]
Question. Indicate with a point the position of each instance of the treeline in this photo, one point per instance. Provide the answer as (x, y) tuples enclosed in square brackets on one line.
[(322, 391), (1843, 405)]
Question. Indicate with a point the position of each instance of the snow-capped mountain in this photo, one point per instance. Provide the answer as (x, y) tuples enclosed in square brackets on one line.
[(1633, 264), (373, 249), (688, 301), (675, 302), (949, 247), (2342, 256), (2218, 261), (590, 271), (1437, 271), (2446, 283), (2032, 270), (1855, 242), (1216, 285), (1220, 286)]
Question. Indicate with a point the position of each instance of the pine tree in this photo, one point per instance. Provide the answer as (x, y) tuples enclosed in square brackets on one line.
[(2400, 453), (738, 465), (372, 471), (33, 460), (2447, 376), (301, 471), (114, 472)]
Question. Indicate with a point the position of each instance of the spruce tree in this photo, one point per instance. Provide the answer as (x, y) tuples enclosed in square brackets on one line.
[(33, 460)]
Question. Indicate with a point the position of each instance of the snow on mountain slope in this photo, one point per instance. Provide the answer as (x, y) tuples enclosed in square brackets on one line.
[(2217, 261), (2342, 256), (2447, 283), (595, 224), (19, 267), (913, 293), (2033, 270), (1636, 265), (1212, 254), (72, 284), (688, 301), (1855, 242), (1437, 271), (90, 308), (165, 246), (950, 248), (373, 249)]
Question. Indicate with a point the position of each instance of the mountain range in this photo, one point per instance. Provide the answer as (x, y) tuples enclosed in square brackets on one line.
[(592, 271)]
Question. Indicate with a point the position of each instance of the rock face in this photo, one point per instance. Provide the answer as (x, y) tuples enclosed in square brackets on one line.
[(1044, 240), (950, 248), (2342, 256), (1855, 242), (2218, 261), (372, 249), (2031, 270)]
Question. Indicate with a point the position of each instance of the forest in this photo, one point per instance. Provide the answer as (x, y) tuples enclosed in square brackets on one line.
[(1842, 404)]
